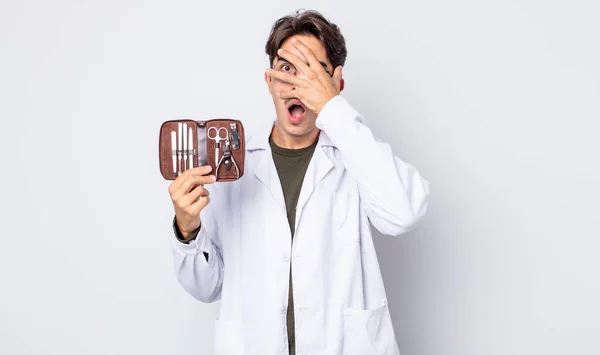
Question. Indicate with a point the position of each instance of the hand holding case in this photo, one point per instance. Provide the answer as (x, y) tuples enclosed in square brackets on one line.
[(186, 143)]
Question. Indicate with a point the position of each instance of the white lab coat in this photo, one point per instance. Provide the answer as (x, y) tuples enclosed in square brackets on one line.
[(340, 301)]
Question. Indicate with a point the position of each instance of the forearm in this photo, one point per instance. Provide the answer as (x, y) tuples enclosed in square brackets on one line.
[(198, 266), (392, 191)]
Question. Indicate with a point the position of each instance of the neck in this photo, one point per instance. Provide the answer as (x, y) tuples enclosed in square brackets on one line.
[(284, 140)]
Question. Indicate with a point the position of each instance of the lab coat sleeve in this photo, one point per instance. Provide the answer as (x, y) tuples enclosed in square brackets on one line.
[(198, 264), (392, 192)]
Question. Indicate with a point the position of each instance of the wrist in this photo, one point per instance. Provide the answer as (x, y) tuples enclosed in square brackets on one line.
[(183, 234), (189, 235), (325, 103)]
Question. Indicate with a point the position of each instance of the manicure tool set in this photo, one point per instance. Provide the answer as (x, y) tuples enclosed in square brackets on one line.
[(185, 144)]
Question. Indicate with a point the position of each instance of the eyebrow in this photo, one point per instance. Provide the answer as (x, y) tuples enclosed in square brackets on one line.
[(287, 61)]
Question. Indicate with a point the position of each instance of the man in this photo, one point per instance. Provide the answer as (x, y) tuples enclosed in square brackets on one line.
[(287, 248)]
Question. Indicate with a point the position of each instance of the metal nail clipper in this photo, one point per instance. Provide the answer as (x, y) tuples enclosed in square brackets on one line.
[(227, 159), (222, 134)]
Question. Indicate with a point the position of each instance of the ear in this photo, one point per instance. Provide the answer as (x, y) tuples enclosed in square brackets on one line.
[(268, 81), (337, 78)]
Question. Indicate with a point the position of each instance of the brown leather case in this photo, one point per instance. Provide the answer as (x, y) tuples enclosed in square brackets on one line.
[(219, 143)]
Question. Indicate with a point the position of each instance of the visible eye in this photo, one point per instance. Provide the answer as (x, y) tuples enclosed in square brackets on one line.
[(286, 67)]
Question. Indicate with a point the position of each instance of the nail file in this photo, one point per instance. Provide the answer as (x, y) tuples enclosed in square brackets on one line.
[(191, 147), (185, 153), (174, 151), (179, 142)]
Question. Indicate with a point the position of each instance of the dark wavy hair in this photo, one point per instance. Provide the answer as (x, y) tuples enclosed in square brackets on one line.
[(308, 22)]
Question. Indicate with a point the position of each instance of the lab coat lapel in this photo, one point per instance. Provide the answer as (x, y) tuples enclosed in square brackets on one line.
[(267, 174), (265, 170), (319, 166)]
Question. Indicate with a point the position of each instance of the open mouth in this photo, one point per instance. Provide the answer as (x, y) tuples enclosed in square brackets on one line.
[(296, 111)]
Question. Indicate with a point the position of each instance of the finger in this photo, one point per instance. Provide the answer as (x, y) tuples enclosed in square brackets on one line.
[(190, 182), (337, 77), (202, 202), (291, 94), (193, 196), (313, 62), (200, 170), (299, 63), (197, 206), (197, 180), (285, 77)]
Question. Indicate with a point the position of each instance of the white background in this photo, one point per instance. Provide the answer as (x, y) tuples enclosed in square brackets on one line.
[(495, 102)]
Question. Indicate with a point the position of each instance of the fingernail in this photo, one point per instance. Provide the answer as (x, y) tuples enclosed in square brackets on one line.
[(279, 51), (294, 40), (268, 71), (208, 168), (213, 178)]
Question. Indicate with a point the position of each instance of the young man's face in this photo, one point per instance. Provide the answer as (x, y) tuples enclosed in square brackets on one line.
[(295, 121)]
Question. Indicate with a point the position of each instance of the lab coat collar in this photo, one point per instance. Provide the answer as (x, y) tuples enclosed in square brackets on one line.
[(266, 172), (260, 140)]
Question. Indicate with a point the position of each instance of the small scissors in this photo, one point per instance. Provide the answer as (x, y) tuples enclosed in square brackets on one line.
[(217, 138)]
